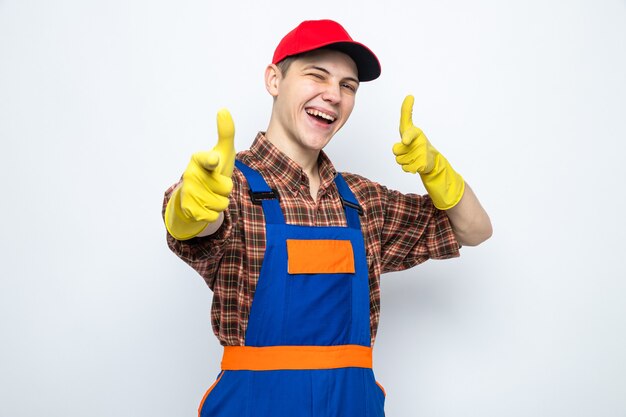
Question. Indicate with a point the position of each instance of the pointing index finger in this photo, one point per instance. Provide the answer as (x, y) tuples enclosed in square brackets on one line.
[(225, 129), (225, 142), (406, 114)]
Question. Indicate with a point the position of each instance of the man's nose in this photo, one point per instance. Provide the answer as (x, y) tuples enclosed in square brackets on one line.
[(331, 93)]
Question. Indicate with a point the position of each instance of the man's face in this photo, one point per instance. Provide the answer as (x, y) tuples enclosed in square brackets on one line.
[(314, 99)]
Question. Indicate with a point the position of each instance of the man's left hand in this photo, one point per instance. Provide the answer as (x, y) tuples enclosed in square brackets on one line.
[(415, 154)]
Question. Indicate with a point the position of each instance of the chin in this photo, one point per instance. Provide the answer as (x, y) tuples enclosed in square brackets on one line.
[(316, 144)]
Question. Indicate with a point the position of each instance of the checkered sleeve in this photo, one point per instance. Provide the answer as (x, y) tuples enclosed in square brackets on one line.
[(403, 230), (201, 253), (414, 231)]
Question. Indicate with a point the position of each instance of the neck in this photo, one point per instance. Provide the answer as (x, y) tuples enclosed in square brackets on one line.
[(305, 158)]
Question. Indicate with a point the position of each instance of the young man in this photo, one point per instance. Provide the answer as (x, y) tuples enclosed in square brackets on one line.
[(293, 251)]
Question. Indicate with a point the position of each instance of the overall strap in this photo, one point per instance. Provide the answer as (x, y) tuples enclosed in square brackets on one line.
[(262, 194), (350, 203)]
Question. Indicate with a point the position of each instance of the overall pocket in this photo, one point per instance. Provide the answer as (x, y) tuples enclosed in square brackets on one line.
[(376, 397), (228, 396), (206, 394), (318, 298)]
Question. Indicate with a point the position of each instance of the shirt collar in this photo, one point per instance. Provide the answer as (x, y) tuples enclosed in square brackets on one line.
[(285, 170)]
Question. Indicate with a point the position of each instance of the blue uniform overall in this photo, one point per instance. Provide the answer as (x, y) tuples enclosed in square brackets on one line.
[(307, 349)]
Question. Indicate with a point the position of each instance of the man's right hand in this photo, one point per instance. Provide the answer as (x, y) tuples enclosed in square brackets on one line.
[(203, 194)]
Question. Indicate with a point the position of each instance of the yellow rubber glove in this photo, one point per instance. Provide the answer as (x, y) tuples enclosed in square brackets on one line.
[(415, 154), (203, 193)]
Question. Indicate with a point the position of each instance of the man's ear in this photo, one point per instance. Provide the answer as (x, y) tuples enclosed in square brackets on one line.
[(272, 79)]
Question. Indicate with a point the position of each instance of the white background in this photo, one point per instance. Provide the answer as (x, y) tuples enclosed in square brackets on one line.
[(102, 103)]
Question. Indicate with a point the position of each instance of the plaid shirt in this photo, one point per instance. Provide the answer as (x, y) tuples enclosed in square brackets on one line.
[(400, 231)]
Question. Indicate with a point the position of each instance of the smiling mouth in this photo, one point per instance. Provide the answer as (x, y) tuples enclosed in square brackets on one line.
[(321, 116)]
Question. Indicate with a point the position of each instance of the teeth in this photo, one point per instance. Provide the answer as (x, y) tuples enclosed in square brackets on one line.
[(318, 113)]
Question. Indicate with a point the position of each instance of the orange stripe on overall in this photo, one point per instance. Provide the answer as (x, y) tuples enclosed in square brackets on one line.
[(307, 256), (268, 358)]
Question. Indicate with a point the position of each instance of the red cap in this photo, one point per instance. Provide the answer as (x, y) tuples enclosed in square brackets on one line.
[(315, 34)]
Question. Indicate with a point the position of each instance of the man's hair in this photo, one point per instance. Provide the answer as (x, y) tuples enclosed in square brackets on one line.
[(284, 65)]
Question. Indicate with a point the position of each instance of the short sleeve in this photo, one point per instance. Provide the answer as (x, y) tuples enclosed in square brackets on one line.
[(201, 253), (414, 230), (401, 230)]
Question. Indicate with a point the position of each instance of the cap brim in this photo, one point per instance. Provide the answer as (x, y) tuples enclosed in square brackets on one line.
[(366, 62)]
